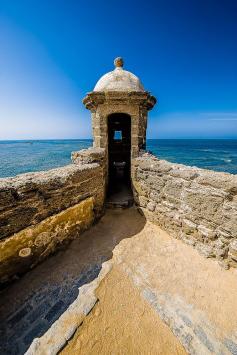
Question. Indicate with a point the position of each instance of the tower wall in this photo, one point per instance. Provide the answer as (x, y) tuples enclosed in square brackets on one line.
[(135, 104)]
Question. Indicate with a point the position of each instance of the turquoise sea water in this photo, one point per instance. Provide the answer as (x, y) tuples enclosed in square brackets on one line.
[(18, 157)]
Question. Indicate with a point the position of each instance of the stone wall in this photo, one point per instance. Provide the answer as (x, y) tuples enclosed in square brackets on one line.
[(135, 104), (196, 205), (43, 210)]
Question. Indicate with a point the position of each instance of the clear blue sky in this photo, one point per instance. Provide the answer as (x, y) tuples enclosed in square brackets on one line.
[(53, 52)]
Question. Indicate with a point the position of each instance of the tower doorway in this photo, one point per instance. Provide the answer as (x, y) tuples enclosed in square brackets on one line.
[(119, 156)]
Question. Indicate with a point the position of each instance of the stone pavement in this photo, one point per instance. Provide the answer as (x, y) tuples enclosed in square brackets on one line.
[(152, 279), (154, 284), (121, 323), (39, 310), (32, 304)]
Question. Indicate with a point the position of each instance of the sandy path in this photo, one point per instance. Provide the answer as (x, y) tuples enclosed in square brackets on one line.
[(122, 323), (155, 277), (159, 293), (29, 306)]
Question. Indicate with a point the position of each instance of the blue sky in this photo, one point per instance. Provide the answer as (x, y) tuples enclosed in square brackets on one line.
[(53, 52)]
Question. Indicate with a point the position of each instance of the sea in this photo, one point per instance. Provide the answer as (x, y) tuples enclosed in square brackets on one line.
[(17, 157)]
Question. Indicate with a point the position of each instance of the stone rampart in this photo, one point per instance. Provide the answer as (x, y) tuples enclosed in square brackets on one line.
[(196, 205), (43, 210)]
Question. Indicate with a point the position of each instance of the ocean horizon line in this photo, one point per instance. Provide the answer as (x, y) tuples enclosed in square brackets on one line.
[(27, 155), (87, 139)]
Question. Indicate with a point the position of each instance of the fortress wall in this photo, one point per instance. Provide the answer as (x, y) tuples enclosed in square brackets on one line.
[(41, 211), (196, 205)]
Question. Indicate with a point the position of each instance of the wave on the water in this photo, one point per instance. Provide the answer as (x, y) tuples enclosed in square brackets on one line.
[(18, 157)]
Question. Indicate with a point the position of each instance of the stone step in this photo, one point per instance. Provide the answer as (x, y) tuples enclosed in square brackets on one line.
[(126, 203)]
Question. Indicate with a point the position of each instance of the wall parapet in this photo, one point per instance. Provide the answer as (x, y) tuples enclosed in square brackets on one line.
[(89, 156), (196, 205), (40, 211)]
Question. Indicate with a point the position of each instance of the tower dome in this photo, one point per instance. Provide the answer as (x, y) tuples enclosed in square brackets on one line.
[(119, 80)]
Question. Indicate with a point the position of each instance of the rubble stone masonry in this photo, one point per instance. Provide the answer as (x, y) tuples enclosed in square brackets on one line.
[(196, 205), (43, 210)]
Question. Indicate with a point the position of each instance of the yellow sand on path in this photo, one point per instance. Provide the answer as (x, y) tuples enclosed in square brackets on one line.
[(122, 323), (158, 284)]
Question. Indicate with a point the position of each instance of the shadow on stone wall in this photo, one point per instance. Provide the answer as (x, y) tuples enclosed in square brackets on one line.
[(32, 304)]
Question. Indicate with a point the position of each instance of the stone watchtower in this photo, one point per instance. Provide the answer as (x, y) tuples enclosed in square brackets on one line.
[(119, 106)]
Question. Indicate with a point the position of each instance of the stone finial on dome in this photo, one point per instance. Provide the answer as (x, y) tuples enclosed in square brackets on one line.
[(118, 62), (119, 80)]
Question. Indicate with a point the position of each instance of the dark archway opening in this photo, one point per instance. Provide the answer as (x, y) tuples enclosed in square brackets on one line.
[(119, 158)]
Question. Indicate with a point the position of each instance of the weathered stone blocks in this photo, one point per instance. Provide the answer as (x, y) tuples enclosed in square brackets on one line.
[(36, 196), (233, 250), (41, 211), (28, 247), (88, 156), (196, 205)]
